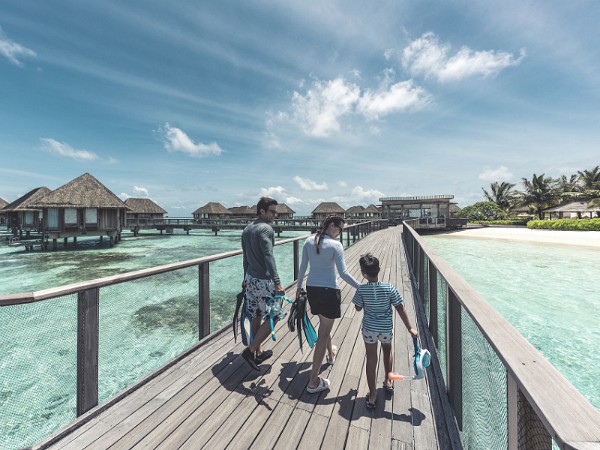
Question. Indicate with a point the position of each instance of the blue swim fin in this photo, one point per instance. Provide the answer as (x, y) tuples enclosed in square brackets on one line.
[(309, 331)]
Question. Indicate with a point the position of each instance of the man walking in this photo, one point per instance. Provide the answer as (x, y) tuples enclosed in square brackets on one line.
[(261, 281)]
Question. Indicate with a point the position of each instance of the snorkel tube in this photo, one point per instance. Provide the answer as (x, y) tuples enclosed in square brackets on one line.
[(274, 309), (421, 360)]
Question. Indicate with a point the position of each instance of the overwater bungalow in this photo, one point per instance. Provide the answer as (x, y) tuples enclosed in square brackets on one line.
[(3, 203), (572, 210), (326, 209), (143, 208), (21, 216), (243, 212), (355, 212), (212, 210), (283, 211), (82, 207)]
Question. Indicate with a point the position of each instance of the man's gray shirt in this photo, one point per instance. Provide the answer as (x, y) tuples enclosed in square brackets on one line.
[(258, 239)]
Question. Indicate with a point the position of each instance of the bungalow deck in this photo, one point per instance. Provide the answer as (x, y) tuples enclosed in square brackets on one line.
[(211, 398)]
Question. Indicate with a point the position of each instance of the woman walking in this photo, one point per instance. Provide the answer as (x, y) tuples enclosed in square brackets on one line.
[(325, 254)]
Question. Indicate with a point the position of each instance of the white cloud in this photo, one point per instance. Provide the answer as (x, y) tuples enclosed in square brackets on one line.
[(61, 149), (342, 184), (293, 201), (319, 112), (124, 196), (274, 192), (429, 57), (388, 54), (141, 190), (13, 51), (500, 174), (310, 185), (398, 97), (321, 108), (366, 194), (175, 140)]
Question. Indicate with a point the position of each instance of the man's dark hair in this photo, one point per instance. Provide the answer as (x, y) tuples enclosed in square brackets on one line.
[(264, 204), (369, 265)]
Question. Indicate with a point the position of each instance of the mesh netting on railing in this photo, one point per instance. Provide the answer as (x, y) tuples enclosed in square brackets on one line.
[(530, 431), (484, 391), (226, 277), (426, 288), (143, 324), (441, 312), (38, 370)]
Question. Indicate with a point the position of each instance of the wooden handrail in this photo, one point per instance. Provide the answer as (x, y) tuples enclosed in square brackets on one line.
[(564, 412)]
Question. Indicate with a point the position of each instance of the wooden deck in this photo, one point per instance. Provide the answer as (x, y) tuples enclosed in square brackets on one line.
[(212, 399)]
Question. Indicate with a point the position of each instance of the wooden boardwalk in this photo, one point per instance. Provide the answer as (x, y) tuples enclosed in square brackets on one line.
[(211, 398)]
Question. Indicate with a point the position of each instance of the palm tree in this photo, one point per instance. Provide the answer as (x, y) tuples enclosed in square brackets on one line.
[(589, 179), (539, 193), (501, 195), (568, 189)]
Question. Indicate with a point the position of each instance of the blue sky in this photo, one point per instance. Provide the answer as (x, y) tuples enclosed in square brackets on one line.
[(307, 101)]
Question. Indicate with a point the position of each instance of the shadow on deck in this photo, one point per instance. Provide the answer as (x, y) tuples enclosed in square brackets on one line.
[(211, 399)]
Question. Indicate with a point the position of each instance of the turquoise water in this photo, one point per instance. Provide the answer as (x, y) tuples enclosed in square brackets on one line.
[(143, 323), (548, 292)]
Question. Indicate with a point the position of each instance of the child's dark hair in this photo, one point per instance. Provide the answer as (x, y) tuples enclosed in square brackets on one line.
[(369, 265)]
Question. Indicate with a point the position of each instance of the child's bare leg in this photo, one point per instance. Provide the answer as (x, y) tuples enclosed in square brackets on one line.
[(370, 370), (388, 361)]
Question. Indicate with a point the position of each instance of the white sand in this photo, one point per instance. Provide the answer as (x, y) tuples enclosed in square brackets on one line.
[(583, 238)]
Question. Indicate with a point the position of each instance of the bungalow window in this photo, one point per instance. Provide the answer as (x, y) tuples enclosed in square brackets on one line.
[(52, 217), (91, 215), (28, 217), (70, 216)]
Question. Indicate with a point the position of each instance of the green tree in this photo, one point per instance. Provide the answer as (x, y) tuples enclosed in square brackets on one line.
[(501, 194), (589, 179), (483, 211), (568, 189), (540, 193)]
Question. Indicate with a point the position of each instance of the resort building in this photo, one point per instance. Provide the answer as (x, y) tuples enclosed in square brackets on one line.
[(82, 207), (573, 210), (359, 212), (243, 212), (144, 208), (212, 210), (284, 211), (21, 216), (430, 206), (326, 209)]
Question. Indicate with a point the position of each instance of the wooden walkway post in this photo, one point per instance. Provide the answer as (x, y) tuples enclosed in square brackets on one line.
[(203, 300), (88, 314)]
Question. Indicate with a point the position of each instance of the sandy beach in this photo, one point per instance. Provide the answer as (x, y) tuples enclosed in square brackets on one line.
[(582, 238)]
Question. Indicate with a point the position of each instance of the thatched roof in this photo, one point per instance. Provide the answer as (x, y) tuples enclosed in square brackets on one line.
[(143, 206), (372, 209), (82, 192), (3, 203), (212, 208), (329, 208), (574, 207), (282, 208), (355, 210), (242, 210), (25, 202)]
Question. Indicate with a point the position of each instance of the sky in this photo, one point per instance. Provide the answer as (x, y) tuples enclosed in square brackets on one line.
[(305, 101)]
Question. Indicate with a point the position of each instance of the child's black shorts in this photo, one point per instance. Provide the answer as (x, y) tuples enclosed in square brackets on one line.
[(325, 301)]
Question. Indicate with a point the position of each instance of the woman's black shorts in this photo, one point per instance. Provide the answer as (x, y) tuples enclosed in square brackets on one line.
[(325, 301)]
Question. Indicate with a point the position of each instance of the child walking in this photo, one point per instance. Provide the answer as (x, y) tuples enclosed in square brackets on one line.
[(376, 298)]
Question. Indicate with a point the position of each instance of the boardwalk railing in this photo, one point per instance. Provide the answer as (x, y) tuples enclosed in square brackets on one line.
[(148, 299), (504, 393)]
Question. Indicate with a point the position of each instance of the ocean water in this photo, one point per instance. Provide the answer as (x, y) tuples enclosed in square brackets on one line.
[(549, 292), (143, 324)]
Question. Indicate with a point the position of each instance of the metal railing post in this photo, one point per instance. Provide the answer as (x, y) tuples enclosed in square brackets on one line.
[(204, 300), (454, 355), (88, 321), (296, 259)]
